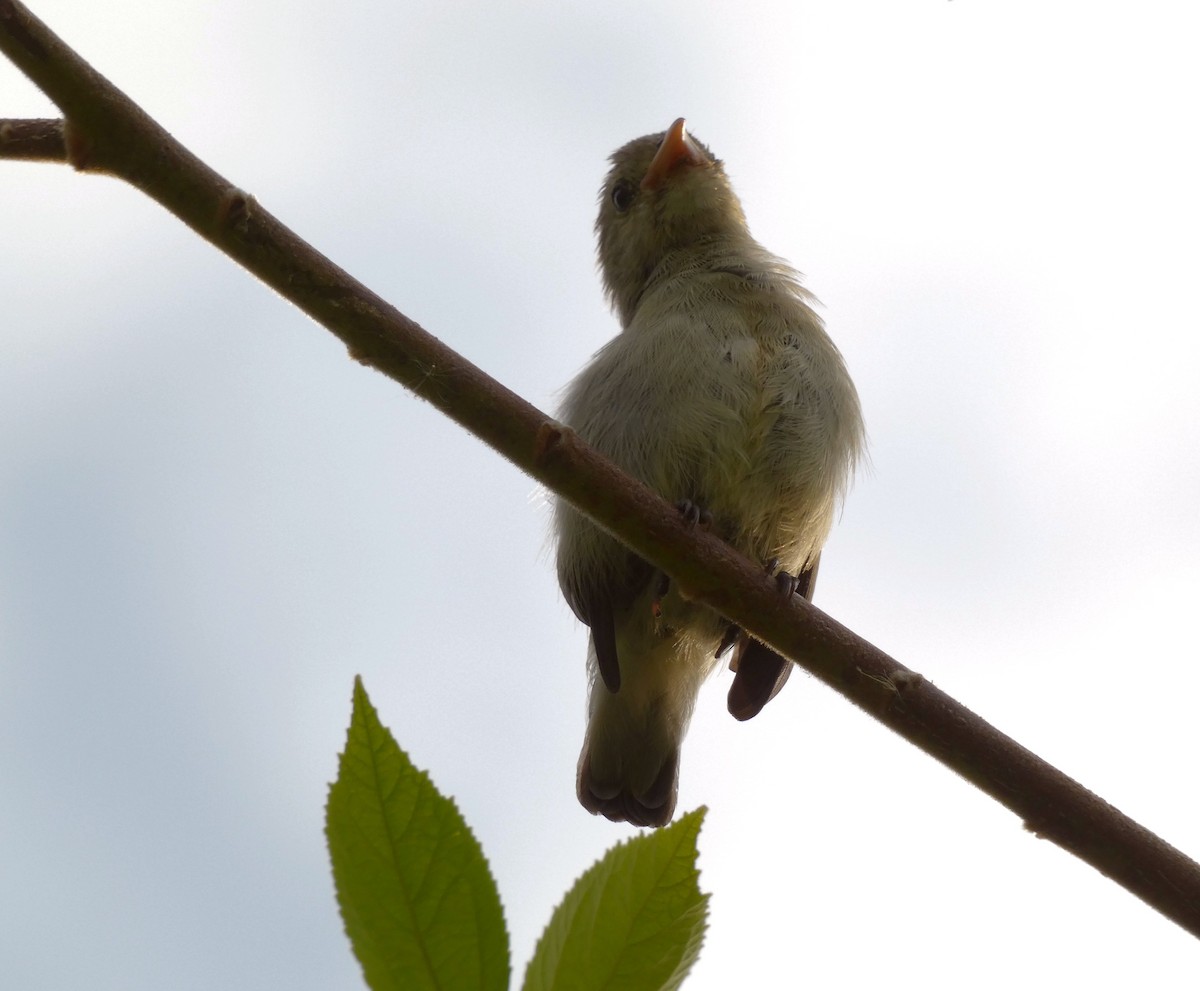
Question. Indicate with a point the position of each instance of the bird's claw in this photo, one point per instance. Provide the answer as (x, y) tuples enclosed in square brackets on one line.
[(732, 632), (788, 586), (694, 514), (787, 583)]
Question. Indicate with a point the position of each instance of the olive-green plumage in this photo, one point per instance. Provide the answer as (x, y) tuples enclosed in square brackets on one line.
[(722, 389)]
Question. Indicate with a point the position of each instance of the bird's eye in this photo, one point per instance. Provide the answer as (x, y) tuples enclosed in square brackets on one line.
[(622, 195)]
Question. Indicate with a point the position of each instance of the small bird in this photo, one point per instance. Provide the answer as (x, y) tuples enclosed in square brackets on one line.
[(725, 395)]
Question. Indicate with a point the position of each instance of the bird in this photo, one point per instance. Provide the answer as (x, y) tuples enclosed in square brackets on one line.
[(723, 393)]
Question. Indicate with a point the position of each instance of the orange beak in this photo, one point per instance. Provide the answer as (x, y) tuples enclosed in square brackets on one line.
[(677, 149)]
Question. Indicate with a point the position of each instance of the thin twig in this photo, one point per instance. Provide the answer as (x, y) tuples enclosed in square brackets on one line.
[(106, 132), (33, 140)]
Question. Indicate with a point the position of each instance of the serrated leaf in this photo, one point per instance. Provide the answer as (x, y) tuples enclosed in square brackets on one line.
[(416, 895), (634, 921)]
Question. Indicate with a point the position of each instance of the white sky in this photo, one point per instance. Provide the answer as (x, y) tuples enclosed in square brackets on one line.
[(211, 519)]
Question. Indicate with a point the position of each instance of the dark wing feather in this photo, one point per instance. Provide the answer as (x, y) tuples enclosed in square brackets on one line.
[(604, 638), (760, 672)]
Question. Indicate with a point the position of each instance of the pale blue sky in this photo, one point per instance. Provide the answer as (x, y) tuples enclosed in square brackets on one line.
[(211, 519)]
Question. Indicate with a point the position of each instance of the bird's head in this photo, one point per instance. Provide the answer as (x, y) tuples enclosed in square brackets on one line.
[(665, 193)]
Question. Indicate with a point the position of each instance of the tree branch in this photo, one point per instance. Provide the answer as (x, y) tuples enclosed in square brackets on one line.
[(106, 132), (33, 140)]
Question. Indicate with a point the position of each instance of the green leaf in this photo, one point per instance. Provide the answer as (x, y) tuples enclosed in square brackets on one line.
[(417, 899), (635, 921)]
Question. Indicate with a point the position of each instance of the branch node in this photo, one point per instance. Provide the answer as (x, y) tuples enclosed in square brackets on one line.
[(79, 147), (897, 684), (1039, 828), (549, 438), (904, 681), (235, 209)]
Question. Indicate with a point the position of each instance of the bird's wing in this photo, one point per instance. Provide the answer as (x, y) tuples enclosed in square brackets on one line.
[(604, 639), (759, 672)]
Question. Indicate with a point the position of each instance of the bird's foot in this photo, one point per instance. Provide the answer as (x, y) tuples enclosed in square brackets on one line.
[(787, 583), (694, 514), (732, 632), (788, 586)]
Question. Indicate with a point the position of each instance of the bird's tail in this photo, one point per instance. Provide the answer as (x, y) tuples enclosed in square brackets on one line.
[(629, 765)]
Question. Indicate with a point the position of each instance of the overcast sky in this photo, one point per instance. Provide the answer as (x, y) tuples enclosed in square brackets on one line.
[(211, 519)]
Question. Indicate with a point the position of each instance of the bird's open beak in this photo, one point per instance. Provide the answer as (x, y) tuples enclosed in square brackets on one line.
[(677, 149)]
